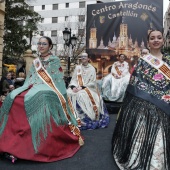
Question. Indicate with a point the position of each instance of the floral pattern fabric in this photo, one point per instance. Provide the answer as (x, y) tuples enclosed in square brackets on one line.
[(87, 123), (141, 138), (149, 80)]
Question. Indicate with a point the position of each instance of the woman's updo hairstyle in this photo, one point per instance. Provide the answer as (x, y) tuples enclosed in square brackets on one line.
[(49, 41), (151, 32)]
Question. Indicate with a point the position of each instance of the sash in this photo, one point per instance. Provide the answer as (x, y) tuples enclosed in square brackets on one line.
[(79, 77), (158, 64), (81, 83), (43, 74), (92, 101), (118, 71), (72, 110)]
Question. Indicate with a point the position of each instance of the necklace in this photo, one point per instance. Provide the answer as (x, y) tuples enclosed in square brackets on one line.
[(43, 56)]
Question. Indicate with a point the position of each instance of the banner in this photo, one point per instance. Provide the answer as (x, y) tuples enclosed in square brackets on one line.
[(120, 27)]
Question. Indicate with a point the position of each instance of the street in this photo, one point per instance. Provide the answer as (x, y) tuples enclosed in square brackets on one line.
[(94, 155)]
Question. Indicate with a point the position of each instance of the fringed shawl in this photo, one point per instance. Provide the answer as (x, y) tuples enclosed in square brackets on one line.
[(143, 120), (41, 102), (149, 84)]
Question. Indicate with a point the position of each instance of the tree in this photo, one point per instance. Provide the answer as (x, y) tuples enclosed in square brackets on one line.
[(19, 24), (76, 51), (79, 26)]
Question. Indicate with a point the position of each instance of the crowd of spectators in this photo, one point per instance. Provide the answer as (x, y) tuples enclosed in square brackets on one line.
[(11, 81)]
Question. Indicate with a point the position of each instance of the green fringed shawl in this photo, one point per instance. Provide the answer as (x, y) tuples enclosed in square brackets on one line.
[(4, 110), (41, 102)]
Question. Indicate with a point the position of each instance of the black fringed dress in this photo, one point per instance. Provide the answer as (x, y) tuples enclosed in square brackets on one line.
[(141, 140)]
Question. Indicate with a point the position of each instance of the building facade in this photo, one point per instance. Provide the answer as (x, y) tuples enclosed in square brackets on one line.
[(167, 28), (58, 15), (2, 14)]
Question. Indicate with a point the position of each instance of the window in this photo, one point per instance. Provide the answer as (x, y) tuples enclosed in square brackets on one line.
[(31, 8), (82, 4), (81, 32), (66, 18), (53, 33), (55, 6), (81, 18), (42, 20), (41, 33), (67, 5), (54, 19), (43, 7), (99, 2)]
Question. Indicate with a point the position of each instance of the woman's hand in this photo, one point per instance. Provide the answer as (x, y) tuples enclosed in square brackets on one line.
[(75, 90), (79, 88), (116, 76)]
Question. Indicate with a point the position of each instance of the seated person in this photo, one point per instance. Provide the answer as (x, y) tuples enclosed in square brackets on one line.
[(7, 81), (36, 122), (11, 88), (20, 80), (13, 77), (5, 92), (144, 51), (86, 101), (113, 85)]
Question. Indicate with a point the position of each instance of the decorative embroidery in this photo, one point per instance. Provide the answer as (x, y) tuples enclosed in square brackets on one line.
[(60, 69), (165, 70), (155, 61), (158, 77), (166, 97), (158, 64), (37, 64), (151, 81)]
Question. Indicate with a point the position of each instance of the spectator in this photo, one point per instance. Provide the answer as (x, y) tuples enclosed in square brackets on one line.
[(144, 51), (7, 81), (5, 92), (22, 69), (11, 87), (20, 80)]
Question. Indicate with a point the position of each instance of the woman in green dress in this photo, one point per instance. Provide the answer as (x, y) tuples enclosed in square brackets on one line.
[(36, 122)]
